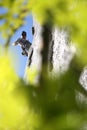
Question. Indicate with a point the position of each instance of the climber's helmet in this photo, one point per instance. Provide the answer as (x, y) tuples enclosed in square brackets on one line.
[(24, 34)]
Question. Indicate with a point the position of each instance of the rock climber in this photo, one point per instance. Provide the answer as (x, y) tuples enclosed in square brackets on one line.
[(25, 44)]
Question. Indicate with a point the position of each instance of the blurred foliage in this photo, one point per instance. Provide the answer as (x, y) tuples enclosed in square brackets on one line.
[(55, 104), (13, 13), (30, 75)]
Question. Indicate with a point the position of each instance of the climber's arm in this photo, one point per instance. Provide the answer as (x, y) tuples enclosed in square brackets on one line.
[(17, 42)]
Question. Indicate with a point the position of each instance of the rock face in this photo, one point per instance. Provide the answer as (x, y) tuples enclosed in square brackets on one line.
[(63, 51), (60, 52), (34, 57), (83, 78)]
